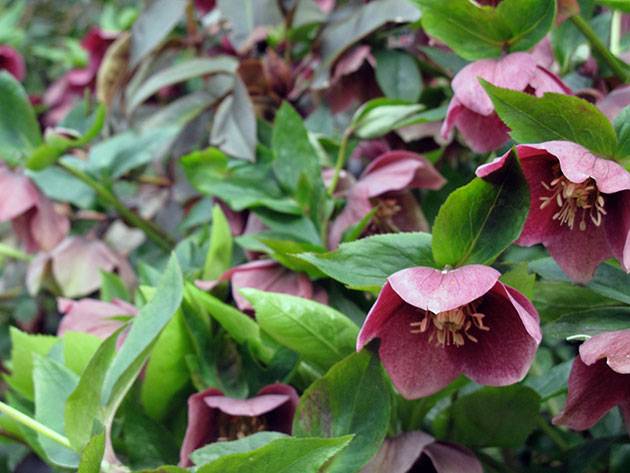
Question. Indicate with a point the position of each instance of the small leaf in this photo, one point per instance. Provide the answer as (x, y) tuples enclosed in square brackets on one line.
[(219, 257), (113, 287), (353, 397), (589, 322), (380, 116), (481, 219), (318, 333), (216, 450), (553, 117), (365, 264), (398, 75), (92, 455)]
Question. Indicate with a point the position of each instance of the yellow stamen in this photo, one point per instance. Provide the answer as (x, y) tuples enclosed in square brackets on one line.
[(451, 327)]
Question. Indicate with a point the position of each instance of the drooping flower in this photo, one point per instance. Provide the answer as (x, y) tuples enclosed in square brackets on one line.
[(419, 452), (599, 381), (92, 316), (580, 205), (34, 218), (267, 275), (213, 417), (74, 267), (385, 184), (613, 103), (471, 111), (12, 62), (65, 91), (435, 325)]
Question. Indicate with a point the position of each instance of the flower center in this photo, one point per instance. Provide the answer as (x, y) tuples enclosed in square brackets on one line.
[(451, 327), (575, 201), (237, 427), (383, 219)]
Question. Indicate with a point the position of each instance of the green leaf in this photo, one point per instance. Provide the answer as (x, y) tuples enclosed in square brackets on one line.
[(246, 16), (588, 322), (365, 264), (318, 333), (494, 417), (180, 72), (219, 257), (19, 130), (623, 5), (285, 455), (53, 384), (23, 347), (78, 349), (82, 409), (552, 382), (379, 116), (519, 278), (481, 219), (476, 32), (146, 327), (556, 298), (58, 185), (213, 451), (166, 374), (622, 128), (398, 75), (352, 398), (92, 455), (113, 287), (553, 117)]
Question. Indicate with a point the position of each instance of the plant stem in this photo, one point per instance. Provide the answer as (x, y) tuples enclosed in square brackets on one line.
[(152, 231), (614, 64), (615, 33), (341, 160), (10, 252), (34, 425), (552, 434)]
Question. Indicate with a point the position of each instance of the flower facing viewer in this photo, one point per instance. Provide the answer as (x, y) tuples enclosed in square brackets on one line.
[(580, 206), (435, 325), (599, 381)]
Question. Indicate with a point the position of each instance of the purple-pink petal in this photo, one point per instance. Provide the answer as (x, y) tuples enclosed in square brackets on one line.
[(451, 458), (92, 316), (482, 133), (614, 347), (617, 227), (12, 61)]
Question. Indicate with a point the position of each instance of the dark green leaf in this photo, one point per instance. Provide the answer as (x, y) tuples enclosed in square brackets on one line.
[(213, 451), (398, 75), (92, 455), (481, 219), (353, 397), (318, 333), (556, 298), (552, 382), (246, 16), (553, 117), (623, 5), (476, 32), (588, 322), (367, 263)]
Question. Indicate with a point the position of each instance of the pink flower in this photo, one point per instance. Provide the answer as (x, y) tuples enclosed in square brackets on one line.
[(471, 110), (12, 62), (205, 6), (615, 102), (352, 79), (580, 206), (74, 267), (92, 316), (417, 451), (599, 381), (435, 325), (65, 91), (35, 221), (385, 184), (213, 417), (270, 276)]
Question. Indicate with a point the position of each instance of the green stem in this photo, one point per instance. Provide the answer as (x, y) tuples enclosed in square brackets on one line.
[(34, 425), (152, 231), (10, 252), (341, 160), (614, 64), (553, 434), (615, 33)]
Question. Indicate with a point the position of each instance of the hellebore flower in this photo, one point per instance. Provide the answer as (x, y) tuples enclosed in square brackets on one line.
[(435, 325), (92, 316), (35, 221), (385, 184), (62, 94), (599, 381), (613, 103), (419, 452), (75, 265), (580, 206), (12, 62), (213, 417), (471, 111), (270, 276)]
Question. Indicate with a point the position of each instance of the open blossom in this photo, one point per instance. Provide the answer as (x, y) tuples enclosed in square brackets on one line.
[(580, 205), (12, 62), (471, 111), (213, 417), (385, 184), (267, 275), (435, 325), (75, 266), (35, 221), (599, 381), (92, 316), (419, 452)]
